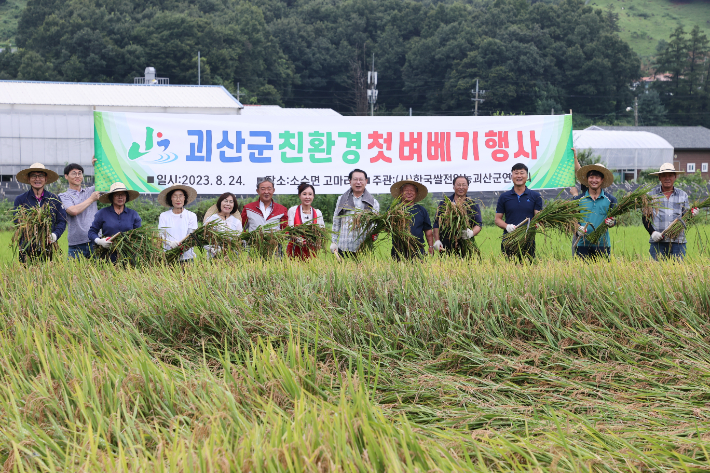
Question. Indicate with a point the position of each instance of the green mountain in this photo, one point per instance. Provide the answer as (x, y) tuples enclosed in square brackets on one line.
[(643, 23)]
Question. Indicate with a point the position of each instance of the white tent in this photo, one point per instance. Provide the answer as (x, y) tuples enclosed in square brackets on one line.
[(53, 123), (629, 151)]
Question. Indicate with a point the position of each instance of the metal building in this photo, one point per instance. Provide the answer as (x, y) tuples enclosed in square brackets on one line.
[(52, 122)]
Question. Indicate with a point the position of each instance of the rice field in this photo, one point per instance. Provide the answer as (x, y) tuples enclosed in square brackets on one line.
[(445, 365)]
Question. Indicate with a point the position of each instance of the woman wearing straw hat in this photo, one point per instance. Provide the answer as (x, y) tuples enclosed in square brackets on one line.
[(300, 214), (115, 218), (674, 203), (177, 223), (225, 212), (595, 203), (412, 192), (38, 176)]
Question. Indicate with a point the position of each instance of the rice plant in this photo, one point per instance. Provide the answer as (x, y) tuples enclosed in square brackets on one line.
[(212, 234), (637, 199), (264, 240), (454, 219), (320, 366), (395, 221), (558, 215), (309, 235), (678, 226), (137, 247), (33, 231)]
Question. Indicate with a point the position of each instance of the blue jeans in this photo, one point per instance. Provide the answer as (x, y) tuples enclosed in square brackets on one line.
[(667, 250), (592, 252), (84, 249)]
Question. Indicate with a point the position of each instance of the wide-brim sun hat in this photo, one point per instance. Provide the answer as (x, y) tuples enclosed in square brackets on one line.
[(24, 175), (422, 191), (584, 170), (213, 210), (190, 195), (118, 187), (666, 167)]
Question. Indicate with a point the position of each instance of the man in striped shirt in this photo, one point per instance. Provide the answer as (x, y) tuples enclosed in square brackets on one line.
[(346, 241)]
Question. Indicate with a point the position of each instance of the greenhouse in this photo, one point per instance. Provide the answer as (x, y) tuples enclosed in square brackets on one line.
[(626, 152)]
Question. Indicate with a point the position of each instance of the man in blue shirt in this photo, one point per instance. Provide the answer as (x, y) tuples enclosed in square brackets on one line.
[(37, 176), (411, 193), (518, 204), (596, 204), (115, 218)]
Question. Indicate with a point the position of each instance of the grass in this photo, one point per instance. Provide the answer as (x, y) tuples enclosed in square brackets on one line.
[(645, 22), (359, 366)]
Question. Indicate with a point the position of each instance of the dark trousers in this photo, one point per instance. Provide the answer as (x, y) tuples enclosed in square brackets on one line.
[(592, 252), (84, 249), (348, 254), (525, 251)]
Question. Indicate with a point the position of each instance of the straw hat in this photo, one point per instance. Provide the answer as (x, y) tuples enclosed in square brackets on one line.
[(422, 191), (118, 187), (584, 170), (190, 194), (666, 167), (23, 176)]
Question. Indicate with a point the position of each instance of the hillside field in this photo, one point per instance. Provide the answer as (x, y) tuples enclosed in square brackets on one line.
[(645, 22)]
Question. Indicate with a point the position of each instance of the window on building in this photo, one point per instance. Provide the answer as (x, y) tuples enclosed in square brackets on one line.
[(705, 167), (690, 167)]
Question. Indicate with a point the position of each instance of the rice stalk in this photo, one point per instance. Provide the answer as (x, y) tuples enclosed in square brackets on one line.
[(264, 240), (454, 219), (140, 246), (211, 234), (309, 235), (637, 199), (33, 231), (396, 220), (559, 215), (677, 226)]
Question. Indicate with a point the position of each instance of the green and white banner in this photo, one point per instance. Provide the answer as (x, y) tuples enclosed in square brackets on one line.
[(218, 153)]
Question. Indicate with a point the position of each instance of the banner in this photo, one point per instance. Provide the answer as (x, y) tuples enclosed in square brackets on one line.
[(218, 153)]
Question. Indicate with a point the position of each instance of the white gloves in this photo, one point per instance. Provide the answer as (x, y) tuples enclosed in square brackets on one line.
[(466, 234), (610, 222), (333, 247), (103, 242), (173, 244), (510, 228), (656, 236), (694, 211), (438, 246), (581, 231), (53, 238)]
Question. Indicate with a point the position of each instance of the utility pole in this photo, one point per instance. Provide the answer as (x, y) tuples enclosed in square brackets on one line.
[(552, 112), (476, 100), (199, 76), (636, 111), (238, 93), (372, 87)]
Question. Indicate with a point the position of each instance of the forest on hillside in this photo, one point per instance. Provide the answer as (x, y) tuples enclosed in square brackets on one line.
[(529, 57)]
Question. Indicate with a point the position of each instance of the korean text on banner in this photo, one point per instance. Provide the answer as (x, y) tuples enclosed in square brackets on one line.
[(214, 154)]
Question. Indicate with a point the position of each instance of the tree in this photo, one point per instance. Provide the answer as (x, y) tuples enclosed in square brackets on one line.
[(650, 109)]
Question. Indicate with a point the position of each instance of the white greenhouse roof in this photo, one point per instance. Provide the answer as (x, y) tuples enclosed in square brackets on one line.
[(116, 95), (277, 111), (625, 149)]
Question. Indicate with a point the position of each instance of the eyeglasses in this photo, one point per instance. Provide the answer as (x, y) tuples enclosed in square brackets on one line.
[(76, 174), (36, 175), (357, 179)]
